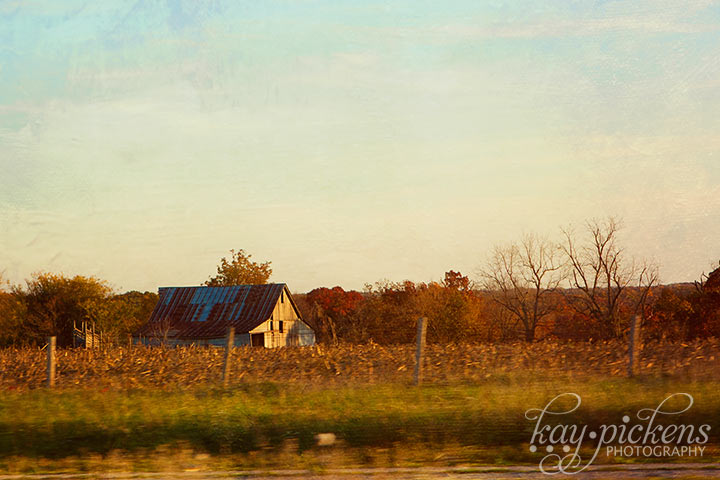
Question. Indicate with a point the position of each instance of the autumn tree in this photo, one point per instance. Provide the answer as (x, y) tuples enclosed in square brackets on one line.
[(120, 315), (52, 304), (453, 310), (332, 309), (136, 308), (390, 311), (456, 281), (706, 304), (673, 314), (521, 277), (240, 270), (12, 314), (601, 276)]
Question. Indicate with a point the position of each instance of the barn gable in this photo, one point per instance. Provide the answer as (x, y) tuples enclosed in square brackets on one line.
[(203, 314)]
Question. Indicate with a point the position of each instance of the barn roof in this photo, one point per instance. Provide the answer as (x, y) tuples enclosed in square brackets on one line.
[(207, 312)]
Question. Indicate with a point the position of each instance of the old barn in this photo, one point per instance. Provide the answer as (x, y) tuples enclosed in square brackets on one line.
[(262, 315)]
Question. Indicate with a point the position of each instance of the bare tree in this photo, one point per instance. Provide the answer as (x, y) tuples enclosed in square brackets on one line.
[(520, 278), (161, 331), (601, 277)]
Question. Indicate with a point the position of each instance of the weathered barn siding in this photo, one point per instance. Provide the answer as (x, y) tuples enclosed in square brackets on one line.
[(294, 333), (241, 340), (285, 328)]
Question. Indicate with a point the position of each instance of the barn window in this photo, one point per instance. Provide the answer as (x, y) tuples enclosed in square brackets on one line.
[(270, 325), (280, 326), (282, 297)]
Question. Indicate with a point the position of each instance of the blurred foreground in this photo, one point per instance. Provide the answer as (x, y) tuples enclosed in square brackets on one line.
[(678, 472), (140, 409)]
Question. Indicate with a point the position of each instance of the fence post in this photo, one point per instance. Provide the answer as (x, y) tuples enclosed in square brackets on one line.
[(51, 361), (634, 346), (228, 355), (421, 329)]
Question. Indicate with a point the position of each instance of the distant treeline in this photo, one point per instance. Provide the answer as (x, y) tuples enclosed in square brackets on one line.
[(387, 312), (384, 313), (585, 289), (582, 287)]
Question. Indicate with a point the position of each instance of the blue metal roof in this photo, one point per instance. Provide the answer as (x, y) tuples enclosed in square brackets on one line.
[(207, 312)]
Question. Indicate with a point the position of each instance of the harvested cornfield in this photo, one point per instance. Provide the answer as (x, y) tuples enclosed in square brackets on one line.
[(146, 367)]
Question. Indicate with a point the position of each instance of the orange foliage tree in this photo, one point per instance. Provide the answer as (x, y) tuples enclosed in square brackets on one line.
[(331, 311), (240, 270), (685, 312), (390, 311)]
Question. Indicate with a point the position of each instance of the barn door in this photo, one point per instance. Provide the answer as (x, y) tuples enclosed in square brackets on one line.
[(257, 339)]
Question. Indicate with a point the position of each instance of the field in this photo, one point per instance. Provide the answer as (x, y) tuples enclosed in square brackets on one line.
[(142, 367), (148, 409)]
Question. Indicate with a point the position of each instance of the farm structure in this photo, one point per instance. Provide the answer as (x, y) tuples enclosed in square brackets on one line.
[(85, 335), (262, 315)]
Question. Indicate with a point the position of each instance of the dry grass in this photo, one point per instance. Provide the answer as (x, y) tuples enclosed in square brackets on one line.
[(143, 367)]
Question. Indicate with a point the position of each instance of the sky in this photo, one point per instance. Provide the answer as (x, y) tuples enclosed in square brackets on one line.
[(351, 141)]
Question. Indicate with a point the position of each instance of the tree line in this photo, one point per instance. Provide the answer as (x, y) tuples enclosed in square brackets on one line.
[(582, 287), (54, 305)]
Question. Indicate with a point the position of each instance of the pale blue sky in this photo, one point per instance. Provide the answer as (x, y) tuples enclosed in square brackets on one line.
[(349, 142)]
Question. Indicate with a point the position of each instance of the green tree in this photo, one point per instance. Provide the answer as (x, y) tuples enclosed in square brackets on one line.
[(239, 270)]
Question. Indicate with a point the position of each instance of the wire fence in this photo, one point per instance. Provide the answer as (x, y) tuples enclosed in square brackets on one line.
[(189, 367)]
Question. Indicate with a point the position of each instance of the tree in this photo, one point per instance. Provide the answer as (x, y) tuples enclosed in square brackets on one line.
[(520, 279), (239, 270), (52, 304), (118, 316), (706, 303), (331, 310), (456, 281), (389, 312), (12, 314), (601, 275), (454, 312), (673, 315), (135, 309)]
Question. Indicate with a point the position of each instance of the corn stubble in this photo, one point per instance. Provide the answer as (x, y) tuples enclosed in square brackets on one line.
[(186, 367)]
